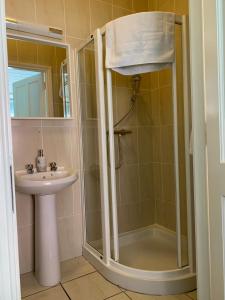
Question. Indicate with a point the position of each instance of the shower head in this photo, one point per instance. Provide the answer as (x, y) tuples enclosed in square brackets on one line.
[(135, 82)]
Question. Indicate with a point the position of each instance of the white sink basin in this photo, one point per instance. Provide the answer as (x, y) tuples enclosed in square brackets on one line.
[(44, 183), (44, 186)]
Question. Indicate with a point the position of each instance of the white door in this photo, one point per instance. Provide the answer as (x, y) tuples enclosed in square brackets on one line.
[(9, 262), (213, 36), (28, 97)]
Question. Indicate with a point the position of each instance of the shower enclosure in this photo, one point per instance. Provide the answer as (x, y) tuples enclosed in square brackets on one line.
[(137, 195)]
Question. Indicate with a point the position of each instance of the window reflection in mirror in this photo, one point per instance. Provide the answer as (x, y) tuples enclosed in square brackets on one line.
[(38, 79)]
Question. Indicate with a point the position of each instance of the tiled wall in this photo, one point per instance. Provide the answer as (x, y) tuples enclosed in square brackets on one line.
[(146, 179), (165, 204), (78, 18), (59, 140)]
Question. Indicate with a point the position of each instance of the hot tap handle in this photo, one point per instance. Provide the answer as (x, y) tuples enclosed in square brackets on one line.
[(53, 166)]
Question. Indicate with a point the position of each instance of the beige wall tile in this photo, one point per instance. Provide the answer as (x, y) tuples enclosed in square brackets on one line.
[(45, 54), (140, 5), (167, 144), (129, 145), (25, 209), (123, 96), (123, 219), (57, 142), (50, 12), (152, 5), (146, 182), (145, 142), (123, 3), (24, 151), (27, 52), (165, 77), (80, 29), (74, 42), (166, 5), (166, 112), (23, 10), (156, 145), (168, 183), (181, 7), (171, 216), (154, 80), (120, 12), (129, 183), (70, 237), (26, 248), (65, 202), (12, 50), (144, 109), (155, 107), (101, 13)]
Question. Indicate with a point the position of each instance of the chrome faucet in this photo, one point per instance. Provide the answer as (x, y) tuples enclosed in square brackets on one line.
[(53, 166), (30, 168)]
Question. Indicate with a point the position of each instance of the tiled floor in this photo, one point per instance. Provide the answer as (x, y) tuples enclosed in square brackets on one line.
[(80, 281)]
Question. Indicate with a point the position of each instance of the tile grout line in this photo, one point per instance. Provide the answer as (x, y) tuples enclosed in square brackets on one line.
[(127, 295), (49, 288), (78, 277), (65, 291), (110, 297)]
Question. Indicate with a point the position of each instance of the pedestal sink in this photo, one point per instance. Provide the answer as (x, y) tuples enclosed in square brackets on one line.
[(44, 186)]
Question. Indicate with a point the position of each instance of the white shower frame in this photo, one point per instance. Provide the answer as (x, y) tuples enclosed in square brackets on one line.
[(173, 281)]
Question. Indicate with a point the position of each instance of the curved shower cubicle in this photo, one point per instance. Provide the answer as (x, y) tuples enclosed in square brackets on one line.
[(137, 195)]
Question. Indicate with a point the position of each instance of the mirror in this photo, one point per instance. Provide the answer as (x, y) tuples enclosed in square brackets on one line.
[(38, 79)]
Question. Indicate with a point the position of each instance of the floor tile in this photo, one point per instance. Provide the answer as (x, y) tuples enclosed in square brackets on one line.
[(29, 285), (56, 293), (74, 268), (193, 295), (121, 296), (92, 286), (136, 296)]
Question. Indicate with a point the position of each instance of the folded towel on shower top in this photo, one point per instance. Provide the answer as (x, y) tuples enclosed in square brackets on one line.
[(140, 43)]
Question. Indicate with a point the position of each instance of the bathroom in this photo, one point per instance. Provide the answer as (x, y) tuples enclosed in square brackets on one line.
[(103, 251)]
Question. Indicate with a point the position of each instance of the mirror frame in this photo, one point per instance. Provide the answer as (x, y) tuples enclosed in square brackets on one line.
[(70, 55)]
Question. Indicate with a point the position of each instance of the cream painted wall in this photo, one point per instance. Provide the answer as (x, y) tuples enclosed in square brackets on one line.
[(78, 18)]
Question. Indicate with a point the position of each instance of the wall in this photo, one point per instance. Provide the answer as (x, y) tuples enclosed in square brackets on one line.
[(146, 179), (165, 204), (78, 18)]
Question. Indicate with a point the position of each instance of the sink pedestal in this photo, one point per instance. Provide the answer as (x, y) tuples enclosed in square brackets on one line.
[(47, 262)]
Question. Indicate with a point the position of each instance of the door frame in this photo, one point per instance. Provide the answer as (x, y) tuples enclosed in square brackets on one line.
[(9, 271), (197, 63), (9, 258)]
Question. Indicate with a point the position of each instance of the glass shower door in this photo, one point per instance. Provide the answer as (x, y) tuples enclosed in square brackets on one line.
[(90, 138), (94, 136)]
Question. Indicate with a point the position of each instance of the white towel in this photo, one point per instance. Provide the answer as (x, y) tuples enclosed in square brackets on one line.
[(140, 43)]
